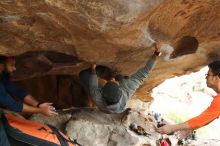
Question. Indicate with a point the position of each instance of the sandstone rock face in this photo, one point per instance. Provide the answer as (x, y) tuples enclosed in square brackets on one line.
[(93, 127), (61, 37), (58, 121), (62, 91)]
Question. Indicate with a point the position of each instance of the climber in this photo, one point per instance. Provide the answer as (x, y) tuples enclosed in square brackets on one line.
[(113, 96), (17, 99), (207, 116)]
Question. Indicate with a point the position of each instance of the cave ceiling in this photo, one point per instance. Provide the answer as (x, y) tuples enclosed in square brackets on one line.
[(62, 37)]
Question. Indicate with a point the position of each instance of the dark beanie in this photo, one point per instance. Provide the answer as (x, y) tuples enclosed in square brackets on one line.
[(111, 93)]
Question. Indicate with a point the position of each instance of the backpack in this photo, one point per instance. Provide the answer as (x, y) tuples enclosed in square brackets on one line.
[(22, 132)]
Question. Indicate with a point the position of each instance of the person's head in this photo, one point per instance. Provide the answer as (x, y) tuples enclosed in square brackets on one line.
[(213, 75), (111, 93), (7, 63)]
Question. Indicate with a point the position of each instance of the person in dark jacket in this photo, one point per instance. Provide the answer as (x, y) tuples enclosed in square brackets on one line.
[(113, 96), (15, 98)]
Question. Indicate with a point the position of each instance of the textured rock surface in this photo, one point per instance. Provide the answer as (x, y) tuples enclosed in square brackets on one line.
[(92, 127), (58, 121), (53, 38), (63, 36), (63, 91)]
